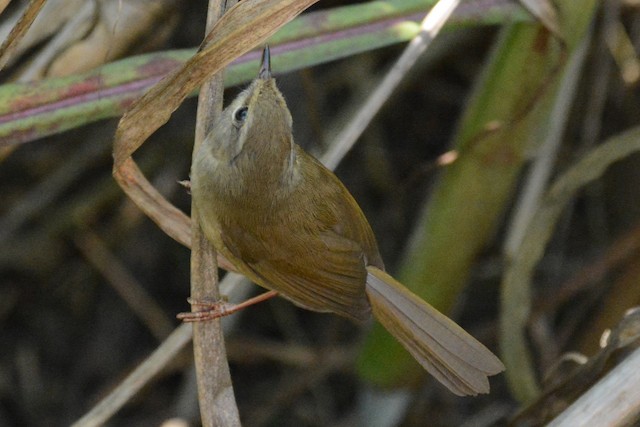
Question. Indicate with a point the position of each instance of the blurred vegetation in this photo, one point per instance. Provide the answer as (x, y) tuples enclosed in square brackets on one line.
[(89, 286)]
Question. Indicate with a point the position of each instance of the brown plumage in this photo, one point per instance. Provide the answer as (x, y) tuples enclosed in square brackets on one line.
[(289, 224)]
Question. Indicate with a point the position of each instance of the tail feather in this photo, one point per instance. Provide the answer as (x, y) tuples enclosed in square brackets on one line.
[(443, 348)]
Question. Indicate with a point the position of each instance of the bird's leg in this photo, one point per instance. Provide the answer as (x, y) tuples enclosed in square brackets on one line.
[(216, 309)]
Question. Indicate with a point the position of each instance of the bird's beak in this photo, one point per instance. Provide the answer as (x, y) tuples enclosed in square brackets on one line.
[(265, 67)]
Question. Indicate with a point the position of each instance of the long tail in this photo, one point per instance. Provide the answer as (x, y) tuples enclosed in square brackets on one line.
[(443, 348)]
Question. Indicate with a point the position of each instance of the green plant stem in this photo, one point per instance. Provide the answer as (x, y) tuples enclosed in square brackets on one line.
[(29, 111)]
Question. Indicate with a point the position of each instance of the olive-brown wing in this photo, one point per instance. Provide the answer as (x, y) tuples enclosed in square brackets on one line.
[(349, 220), (323, 271)]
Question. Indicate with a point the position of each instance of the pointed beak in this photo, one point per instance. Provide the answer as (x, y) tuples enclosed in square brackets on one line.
[(265, 67)]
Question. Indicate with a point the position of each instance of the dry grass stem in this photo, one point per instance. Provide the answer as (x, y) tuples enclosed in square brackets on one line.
[(162, 355), (429, 29)]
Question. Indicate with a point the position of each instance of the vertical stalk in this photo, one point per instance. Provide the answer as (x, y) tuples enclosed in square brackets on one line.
[(215, 390)]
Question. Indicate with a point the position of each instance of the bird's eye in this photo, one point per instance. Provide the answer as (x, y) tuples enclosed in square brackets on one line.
[(240, 115)]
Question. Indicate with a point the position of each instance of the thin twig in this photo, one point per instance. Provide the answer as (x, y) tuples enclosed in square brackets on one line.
[(429, 28)]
